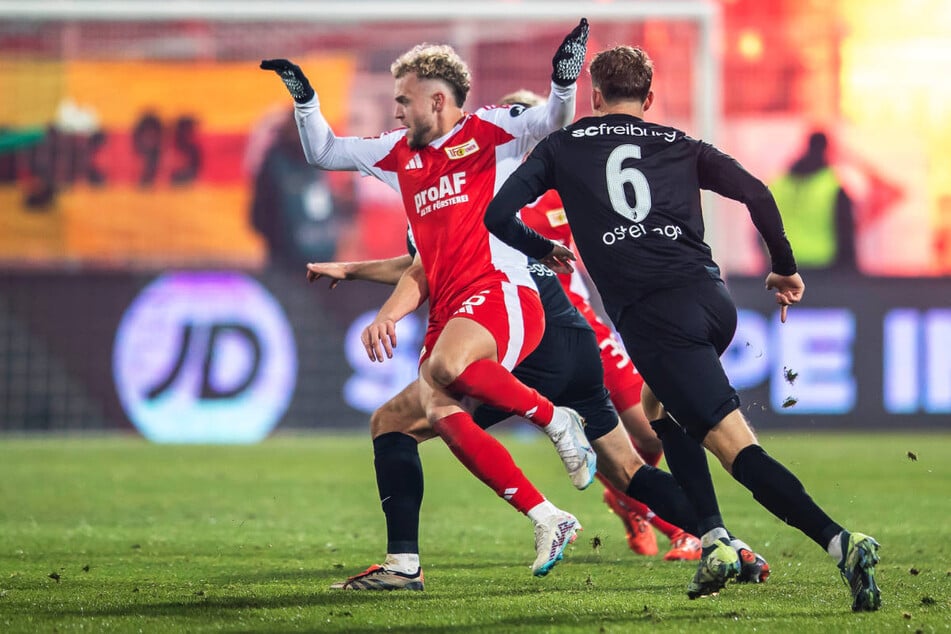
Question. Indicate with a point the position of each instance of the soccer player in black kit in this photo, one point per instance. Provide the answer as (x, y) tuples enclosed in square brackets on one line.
[(631, 191)]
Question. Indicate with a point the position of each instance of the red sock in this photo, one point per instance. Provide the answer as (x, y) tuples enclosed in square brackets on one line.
[(488, 460), (639, 508), (492, 384), (665, 527)]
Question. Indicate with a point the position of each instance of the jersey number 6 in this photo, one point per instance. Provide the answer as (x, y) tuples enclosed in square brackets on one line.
[(617, 176)]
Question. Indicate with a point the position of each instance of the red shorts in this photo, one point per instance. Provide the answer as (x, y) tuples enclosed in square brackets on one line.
[(621, 378), (512, 313)]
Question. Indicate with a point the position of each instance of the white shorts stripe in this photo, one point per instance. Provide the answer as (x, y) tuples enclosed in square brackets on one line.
[(513, 309)]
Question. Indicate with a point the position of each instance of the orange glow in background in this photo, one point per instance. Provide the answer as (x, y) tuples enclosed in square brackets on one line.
[(896, 60), (871, 73), (123, 221)]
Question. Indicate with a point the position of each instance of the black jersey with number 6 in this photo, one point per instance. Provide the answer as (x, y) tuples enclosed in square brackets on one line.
[(631, 192)]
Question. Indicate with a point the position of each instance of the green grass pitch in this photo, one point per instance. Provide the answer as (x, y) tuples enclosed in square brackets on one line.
[(117, 535)]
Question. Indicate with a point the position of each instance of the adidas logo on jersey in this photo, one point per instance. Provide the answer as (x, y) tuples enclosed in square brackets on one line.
[(414, 163), (469, 304)]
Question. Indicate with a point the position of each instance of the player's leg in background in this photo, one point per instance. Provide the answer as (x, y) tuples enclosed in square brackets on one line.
[(753, 566), (687, 460), (397, 427)]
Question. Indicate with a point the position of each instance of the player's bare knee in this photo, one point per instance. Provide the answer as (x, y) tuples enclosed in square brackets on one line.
[(444, 370), (384, 420), (726, 461)]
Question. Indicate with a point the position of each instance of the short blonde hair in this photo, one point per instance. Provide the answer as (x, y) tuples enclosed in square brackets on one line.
[(436, 61), (522, 96)]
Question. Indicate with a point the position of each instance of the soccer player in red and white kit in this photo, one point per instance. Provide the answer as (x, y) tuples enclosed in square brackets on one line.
[(484, 311)]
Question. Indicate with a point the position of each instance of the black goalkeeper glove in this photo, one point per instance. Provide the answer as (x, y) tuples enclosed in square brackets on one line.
[(292, 76), (568, 60)]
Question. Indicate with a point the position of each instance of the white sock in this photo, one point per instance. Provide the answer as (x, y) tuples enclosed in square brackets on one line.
[(542, 512), (402, 562), (835, 548), (559, 421), (710, 537)]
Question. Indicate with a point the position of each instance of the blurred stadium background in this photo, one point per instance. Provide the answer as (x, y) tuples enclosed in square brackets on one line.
[(155, 212)]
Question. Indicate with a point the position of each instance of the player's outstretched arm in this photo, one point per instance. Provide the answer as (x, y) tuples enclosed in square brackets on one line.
[(386, 271), (322, 147), (559, 109)]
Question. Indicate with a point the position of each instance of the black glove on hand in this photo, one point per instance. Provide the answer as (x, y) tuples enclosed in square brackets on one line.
[(568, 60), (292, 76)]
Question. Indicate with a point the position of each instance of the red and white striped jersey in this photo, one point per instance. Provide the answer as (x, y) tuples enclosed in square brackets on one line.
[(447, 186)]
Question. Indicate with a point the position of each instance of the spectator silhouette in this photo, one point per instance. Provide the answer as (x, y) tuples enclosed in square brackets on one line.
[(817, 212), (294, 207)]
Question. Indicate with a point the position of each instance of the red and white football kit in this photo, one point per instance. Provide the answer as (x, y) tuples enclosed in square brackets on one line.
[(547, 216), (446, 187)]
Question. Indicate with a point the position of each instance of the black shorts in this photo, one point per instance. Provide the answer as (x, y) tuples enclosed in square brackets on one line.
[(675, 338), (565, 368)]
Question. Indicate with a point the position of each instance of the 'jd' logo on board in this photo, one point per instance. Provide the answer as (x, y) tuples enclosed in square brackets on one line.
[(204, 357)]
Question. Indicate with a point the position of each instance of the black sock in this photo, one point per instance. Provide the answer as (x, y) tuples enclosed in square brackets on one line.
[(687, 460), (399, 479), (782, 494), (660, 491)]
